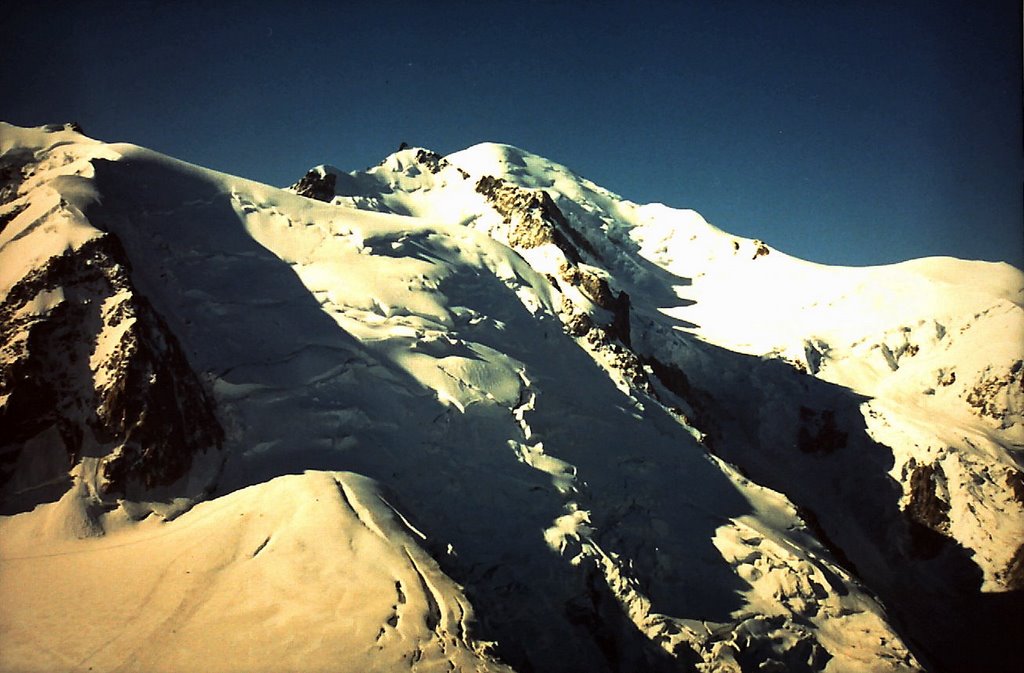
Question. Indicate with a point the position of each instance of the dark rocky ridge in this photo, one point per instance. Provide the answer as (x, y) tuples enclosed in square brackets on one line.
[(927, 514), (140, 410), (433, 161), (536, 220), (599, 291), (530, 214), (316, 185)]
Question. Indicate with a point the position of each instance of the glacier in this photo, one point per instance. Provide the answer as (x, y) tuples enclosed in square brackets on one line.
[(476, 412)]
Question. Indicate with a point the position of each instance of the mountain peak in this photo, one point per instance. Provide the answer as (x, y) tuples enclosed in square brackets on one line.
[(493, 414)]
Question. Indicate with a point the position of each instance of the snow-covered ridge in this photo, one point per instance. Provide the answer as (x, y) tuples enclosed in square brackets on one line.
[(479, 413)]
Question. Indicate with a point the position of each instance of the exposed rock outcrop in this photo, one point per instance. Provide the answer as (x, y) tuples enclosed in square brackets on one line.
[(316, 184), (927, 513), (997, 394), (534, 221), (533, 216), (760, 249), (598, 290), (433, 161), (89, 365)]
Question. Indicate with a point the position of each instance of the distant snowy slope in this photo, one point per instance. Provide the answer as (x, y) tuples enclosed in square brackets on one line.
[(936, 344), (478, 413)]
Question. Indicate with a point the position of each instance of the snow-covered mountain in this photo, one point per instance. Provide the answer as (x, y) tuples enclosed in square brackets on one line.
[(475, 412)]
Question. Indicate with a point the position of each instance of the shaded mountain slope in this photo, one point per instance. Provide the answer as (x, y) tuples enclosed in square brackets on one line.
[(461, 413)]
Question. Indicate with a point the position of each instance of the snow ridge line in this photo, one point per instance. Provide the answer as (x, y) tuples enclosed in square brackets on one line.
[(413, 529), (435, 617), (361, 512)]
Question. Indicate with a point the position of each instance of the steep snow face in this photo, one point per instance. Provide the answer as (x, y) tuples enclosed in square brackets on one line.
[(904, 447), (935, 344)]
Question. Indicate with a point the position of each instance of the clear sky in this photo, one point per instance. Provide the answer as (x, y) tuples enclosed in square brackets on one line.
[(846, 132)]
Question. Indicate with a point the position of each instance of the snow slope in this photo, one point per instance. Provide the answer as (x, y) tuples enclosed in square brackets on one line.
[(271, 577), (472, 424), (906, 336), (925, 358)]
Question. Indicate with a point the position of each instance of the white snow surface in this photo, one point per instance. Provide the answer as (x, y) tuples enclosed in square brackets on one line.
[(915, 338), (423, 471), (311, 572)]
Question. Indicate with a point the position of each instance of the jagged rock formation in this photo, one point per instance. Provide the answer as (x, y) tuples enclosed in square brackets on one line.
[(598, 291), (316, 184), (434, 162), (531, 216), (927, 513), (998, 394)]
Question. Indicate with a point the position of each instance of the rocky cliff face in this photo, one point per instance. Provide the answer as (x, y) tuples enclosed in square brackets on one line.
[(316, 184), (92, 381)]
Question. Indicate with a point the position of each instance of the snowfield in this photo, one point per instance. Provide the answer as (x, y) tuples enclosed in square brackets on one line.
[(277, 575), (476, 413)]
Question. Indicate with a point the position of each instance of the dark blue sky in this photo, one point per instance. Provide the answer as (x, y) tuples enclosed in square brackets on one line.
[(843, 132)]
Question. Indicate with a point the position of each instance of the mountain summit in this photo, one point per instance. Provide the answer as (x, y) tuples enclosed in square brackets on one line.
[(476, 412)]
